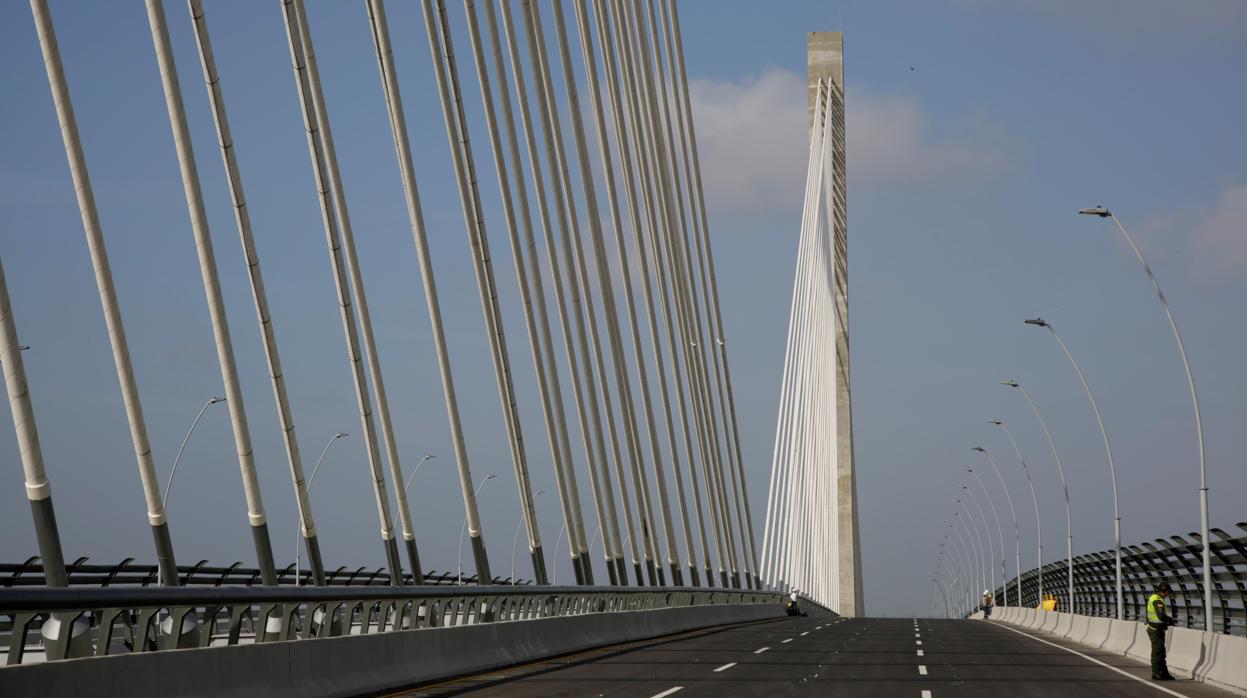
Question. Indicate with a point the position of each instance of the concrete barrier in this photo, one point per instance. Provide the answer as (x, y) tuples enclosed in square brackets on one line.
[(1097, 632), (1225, 663), (1186, 651), (1079, 626), (1120, 636), (361, 664), (1063, 624), (1218, 660), (1140, 647), (1050, 619)]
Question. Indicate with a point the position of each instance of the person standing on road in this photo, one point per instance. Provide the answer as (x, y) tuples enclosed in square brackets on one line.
[(988, 602), (1158, 621)]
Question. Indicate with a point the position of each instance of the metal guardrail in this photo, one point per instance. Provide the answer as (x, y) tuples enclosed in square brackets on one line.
[(44, 624), (1177, 560), (126, 573)]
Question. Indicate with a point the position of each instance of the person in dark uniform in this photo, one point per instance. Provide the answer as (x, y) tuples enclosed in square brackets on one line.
[(1158, 621)]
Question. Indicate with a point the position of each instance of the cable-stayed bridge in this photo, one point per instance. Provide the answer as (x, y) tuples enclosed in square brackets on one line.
[(586, 136)]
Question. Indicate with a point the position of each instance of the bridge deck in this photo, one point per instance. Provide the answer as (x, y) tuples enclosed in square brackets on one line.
[(820, 657)]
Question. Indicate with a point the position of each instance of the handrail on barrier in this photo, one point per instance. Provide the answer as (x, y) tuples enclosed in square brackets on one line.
[(54, 624)]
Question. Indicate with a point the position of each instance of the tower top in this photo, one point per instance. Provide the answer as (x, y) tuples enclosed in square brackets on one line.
[(825, 59)]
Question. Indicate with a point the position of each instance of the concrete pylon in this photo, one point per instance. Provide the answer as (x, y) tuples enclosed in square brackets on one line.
[(825, 60)]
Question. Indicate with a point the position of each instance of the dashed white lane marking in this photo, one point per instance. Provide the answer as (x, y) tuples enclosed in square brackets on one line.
[(725, 667), (920, 653), (922, 669), (760, 651), (917, 634), (668, 692), (926, 694), (918, 641), (805, 633), (786, 641), (1162, 689)]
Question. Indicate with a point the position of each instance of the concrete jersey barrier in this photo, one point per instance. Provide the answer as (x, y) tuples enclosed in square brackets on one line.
[(1215, 659)]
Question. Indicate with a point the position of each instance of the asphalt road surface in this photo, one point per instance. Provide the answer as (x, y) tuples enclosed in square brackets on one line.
[(922, 658)]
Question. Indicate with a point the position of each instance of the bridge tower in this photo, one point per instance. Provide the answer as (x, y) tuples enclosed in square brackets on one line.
[(825, 61)]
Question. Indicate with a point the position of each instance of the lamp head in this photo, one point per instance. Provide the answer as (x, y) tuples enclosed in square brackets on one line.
[(1038, 322), (215, 400), (980, 449), (1010, 383), (490, 477), (1100, 211), (997, 422), (340, 435)]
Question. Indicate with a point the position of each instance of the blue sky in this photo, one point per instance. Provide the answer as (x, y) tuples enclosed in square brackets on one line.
[(964, 175)]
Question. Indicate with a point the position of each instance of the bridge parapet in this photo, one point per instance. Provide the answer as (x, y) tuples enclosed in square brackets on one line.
[(118, 620)]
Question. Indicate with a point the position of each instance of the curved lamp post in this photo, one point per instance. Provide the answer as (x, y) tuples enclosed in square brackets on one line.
[(972, 533), (310, 480), (1017, 539), (1004, 573), (1103, 212), (164, 501), (1069, 522), (987, 538), (1112, 470), (411, 478), (463, 529), (1035, 500), (516, 540)]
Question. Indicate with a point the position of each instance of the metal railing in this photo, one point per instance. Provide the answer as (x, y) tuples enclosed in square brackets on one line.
[(1176, 560), (126, 573), (45, 624)]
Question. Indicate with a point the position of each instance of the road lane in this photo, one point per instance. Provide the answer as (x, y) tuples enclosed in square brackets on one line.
[(909, 658)]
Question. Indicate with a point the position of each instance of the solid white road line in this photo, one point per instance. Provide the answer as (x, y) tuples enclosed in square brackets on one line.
[(667, 692), (761, 650), (1162, 689), (922, 669), (786, 641), (725, 667)]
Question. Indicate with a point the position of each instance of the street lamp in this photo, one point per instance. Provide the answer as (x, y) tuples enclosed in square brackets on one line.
[(1112, 470), (1103, 212), (1035, 500), (985, 541), (1004, 575), (979, 565), (1069, 522), (516, 540), (463, 529), (310, 480), (412, 477), (164, 501), (1017, 539)]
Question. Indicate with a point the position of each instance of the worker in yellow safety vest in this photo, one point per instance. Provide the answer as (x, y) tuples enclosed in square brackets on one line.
[(1158, 621)]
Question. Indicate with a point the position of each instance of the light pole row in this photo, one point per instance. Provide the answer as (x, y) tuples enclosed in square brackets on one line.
[(1207, 587)]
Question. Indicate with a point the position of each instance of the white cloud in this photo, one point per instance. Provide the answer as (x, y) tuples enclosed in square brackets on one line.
[(753, 141), (1218, 246)]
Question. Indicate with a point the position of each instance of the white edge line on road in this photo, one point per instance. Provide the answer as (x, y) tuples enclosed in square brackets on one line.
[(1145, 682), (922, 669), (667, 692), (761, 650), (725, 667)]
